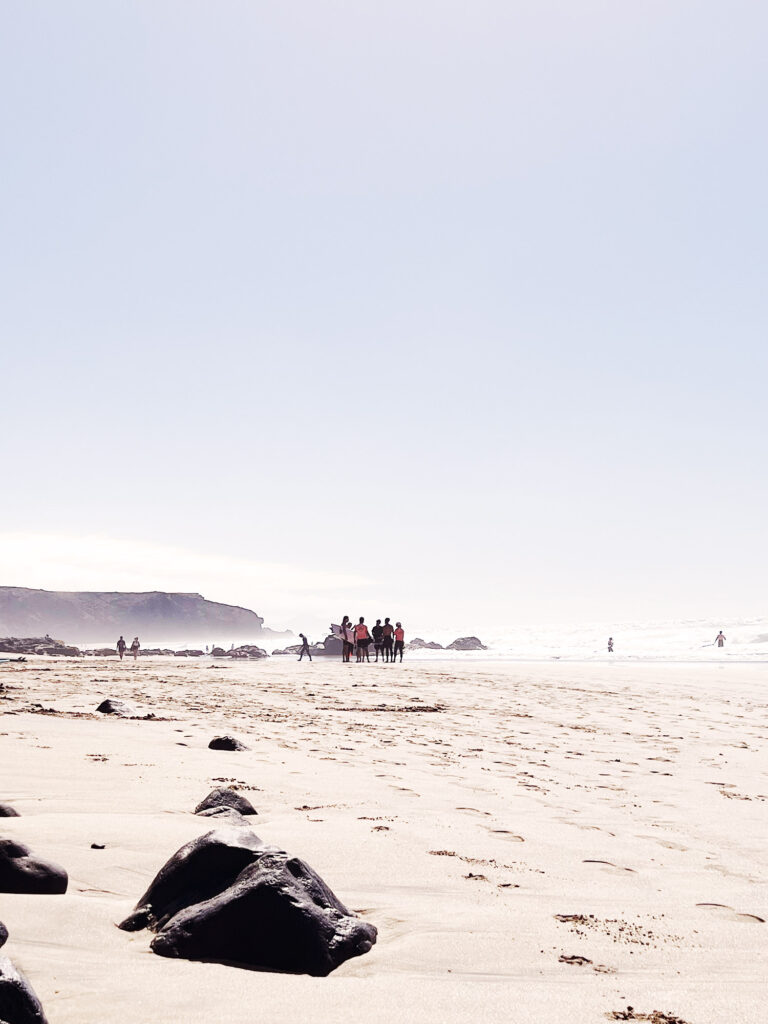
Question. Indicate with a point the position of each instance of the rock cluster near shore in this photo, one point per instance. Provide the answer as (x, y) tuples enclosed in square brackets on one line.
[(37, 645)]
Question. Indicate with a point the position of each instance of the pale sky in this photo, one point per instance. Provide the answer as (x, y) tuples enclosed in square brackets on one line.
[(454, 312)]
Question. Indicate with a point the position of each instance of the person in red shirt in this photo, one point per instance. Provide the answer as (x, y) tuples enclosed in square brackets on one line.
[(399, 641), (362, 639)]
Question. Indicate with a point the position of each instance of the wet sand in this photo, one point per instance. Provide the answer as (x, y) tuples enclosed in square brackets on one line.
[(534, 842)]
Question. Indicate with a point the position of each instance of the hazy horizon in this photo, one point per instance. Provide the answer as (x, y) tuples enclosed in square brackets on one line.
[(450, 313)]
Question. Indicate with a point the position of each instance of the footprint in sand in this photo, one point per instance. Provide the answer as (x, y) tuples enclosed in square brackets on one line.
[(730, 914), (474, 810), (609, 864), (504, 833)]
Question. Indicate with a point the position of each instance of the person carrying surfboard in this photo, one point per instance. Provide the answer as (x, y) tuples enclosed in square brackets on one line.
[(362, 639), (347, 638)]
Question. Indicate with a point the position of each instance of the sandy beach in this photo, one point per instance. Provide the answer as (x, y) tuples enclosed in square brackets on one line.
[(534, 842)]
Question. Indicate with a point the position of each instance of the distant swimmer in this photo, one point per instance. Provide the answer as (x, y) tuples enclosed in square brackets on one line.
[(378, 633), (387, 631), (610, 645), (135, 647), (399, 641), (304, 648), (347, 638), (121, 645), (720, 639), (362, 639)]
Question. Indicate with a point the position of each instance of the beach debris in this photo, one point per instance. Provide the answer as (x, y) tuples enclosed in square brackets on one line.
[(3, 934), (22, 871), (226, 743), (467, 643), (6, 811), (224, 797), (97, 846), (227, 897), (18, 1002), (579, 961), (115, 707)]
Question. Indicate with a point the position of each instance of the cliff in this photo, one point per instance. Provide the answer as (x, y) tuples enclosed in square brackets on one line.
[(84, 616)]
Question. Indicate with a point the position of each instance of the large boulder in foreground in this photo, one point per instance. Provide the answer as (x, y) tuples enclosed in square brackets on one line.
[(229, 898), (21, 871), (225, 797), (18, 1002), (3, 934), (226, 743), (466, 643), (7, 811)]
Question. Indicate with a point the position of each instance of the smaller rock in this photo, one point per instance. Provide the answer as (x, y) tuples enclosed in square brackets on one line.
[(3, 934), (18, 1002), (97, 846), (417, 644), (225, 797), (224, 816), (22, 871), (467, 643), (6, 811), (226, 743), (115, 707)]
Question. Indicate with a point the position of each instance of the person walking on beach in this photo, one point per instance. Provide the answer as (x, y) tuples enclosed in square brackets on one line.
[(135, 648), (347, 638), (610, 645), (121, 645), (304, 648), (362, 639), (720, 639), (377, 632), (399, 641), (387, 631)]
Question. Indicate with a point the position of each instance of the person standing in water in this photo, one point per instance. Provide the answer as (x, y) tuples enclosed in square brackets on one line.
[(135, 648), (387, 631), (121, 645), (304, 648), (347, 638), (377, 632), (362, 639), (399, 641), (610, 645), (720, 639)]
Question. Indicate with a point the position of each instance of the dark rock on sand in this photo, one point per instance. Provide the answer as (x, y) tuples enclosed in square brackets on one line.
[(466, 643), (227, 897), (225, 816), (22, 871), (6, 811), (115, 707), (3, 934), (226, 743), (225, 797), (18, 1002)]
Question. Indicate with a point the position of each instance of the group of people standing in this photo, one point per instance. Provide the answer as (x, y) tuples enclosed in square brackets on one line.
[(388, 640), (122, 646)]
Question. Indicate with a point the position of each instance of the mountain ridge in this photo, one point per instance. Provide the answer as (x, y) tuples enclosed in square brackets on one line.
[(95, 615)]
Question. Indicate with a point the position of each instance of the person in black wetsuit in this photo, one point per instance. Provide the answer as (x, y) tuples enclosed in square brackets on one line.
[(377, 633), (387, 640), (304, 647)]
